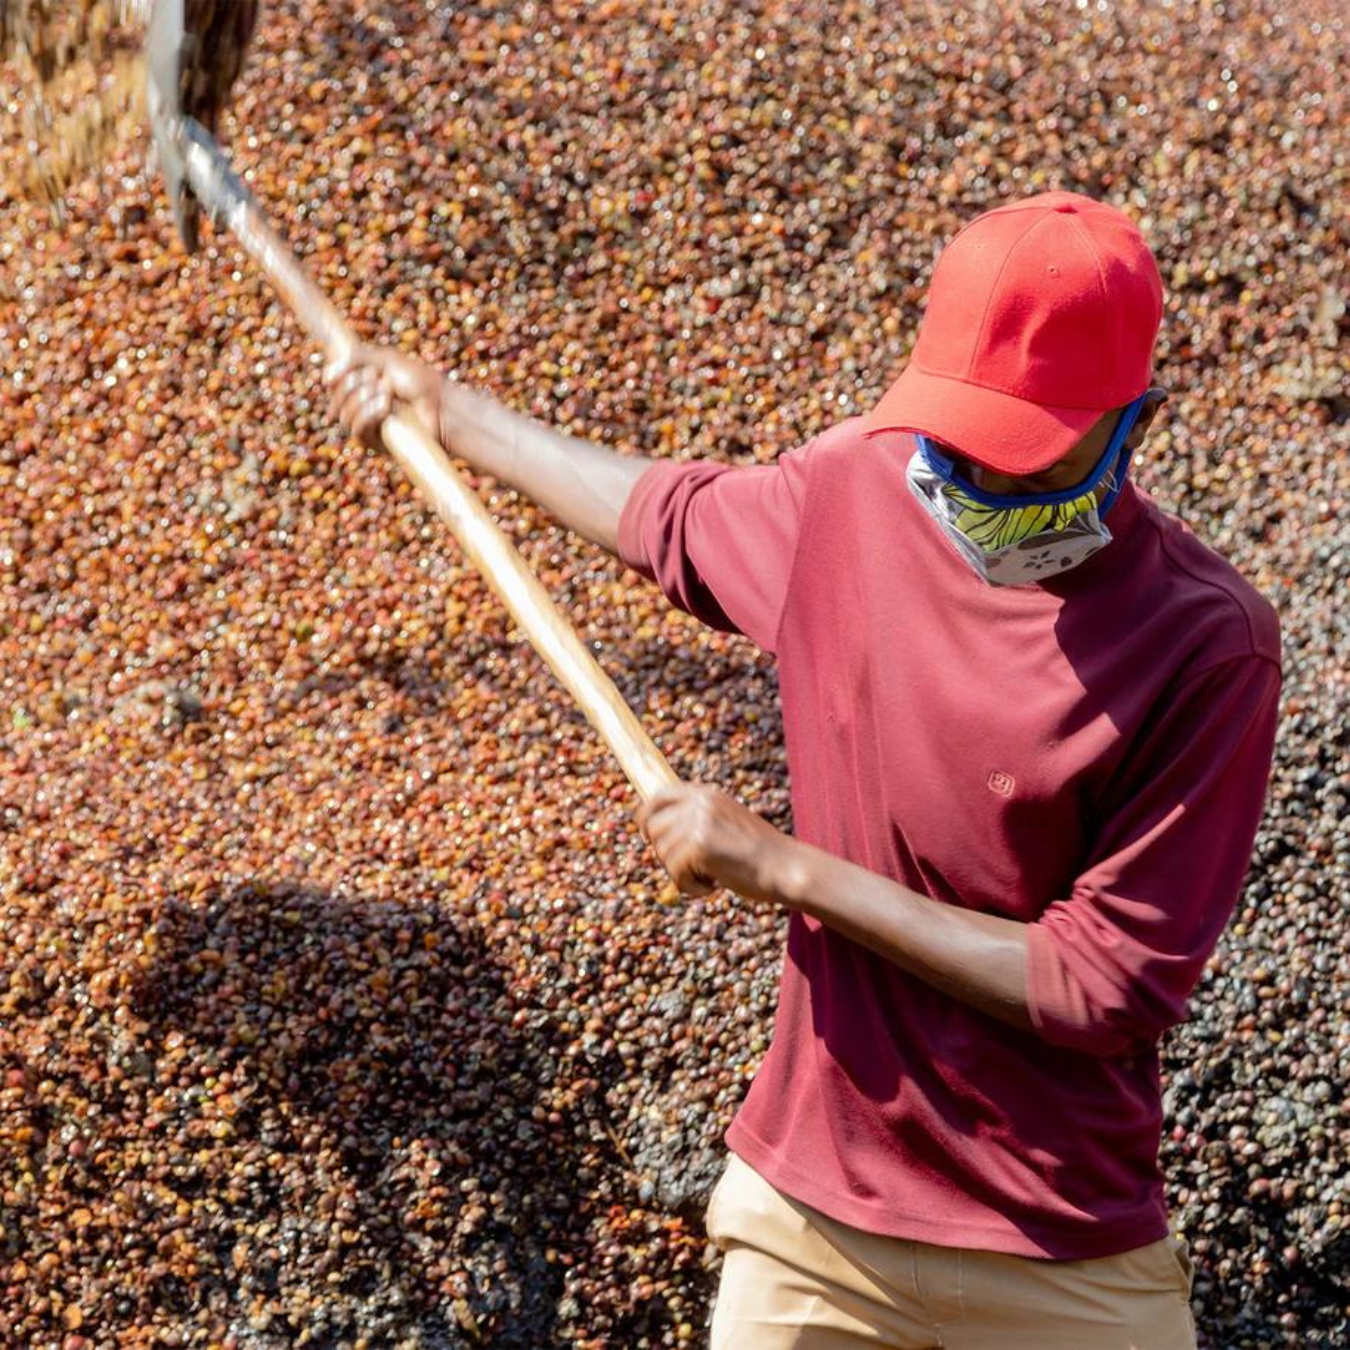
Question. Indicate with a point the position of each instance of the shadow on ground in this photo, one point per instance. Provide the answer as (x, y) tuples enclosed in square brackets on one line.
[(379, 1140)]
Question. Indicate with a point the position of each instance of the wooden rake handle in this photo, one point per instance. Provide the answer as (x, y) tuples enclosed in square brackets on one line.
[(232, 205), (542, 622)]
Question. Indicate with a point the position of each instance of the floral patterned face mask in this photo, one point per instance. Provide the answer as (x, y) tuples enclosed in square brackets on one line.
[(1014, 540)]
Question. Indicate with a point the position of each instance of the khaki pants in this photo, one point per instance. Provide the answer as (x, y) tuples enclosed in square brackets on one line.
[(793, 1279)]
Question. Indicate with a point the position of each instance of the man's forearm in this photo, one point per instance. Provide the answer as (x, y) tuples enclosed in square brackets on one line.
[(980, 959), (585, 486)]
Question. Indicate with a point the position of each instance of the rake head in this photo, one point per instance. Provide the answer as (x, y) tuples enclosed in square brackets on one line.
[(194, 52), (88, 81)]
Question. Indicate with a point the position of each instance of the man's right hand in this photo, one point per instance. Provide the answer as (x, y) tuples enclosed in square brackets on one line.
[(585, 486), (367, 384)]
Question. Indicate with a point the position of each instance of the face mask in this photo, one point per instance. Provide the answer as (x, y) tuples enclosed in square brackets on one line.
[(1011, 540)]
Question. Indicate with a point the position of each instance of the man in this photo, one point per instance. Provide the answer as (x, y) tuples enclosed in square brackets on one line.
[(1029, 722)]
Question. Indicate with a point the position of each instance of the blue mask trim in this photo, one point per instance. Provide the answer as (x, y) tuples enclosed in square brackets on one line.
[(946, 469)]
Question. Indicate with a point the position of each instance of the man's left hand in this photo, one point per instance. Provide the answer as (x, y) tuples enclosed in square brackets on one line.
[(707, 839)]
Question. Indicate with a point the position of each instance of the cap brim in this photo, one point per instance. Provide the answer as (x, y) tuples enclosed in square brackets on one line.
[(996, 430)]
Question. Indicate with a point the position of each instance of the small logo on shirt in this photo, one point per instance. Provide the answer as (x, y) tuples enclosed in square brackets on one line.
[(1002, 783)]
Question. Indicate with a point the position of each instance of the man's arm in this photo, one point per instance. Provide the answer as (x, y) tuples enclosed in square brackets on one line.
[(980, 959), (583, 485), (704, 836), (1105, 969)]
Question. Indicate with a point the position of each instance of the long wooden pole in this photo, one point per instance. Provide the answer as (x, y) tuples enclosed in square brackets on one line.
[(232, 205)]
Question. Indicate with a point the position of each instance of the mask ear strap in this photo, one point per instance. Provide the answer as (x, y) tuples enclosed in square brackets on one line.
[(1115, 475), (936, 460)]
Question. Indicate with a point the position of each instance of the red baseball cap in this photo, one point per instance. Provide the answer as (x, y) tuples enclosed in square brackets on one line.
[(1041, 317)]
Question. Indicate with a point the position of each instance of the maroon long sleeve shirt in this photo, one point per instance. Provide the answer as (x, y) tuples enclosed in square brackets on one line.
[(1087, 755)]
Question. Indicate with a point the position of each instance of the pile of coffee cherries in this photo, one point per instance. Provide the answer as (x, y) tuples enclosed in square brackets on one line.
[(341, 1004)]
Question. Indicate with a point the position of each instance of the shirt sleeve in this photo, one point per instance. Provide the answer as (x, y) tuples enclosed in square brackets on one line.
[(1111, 968), (718, 540)]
